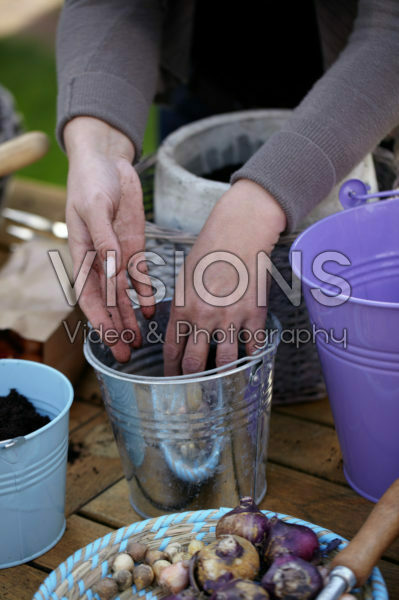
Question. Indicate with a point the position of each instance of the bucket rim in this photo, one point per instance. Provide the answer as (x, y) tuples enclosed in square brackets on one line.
[(269, 349), (369, 207), (57, 418)]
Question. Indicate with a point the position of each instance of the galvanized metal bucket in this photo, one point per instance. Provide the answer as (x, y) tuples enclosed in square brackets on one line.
[(187, 442)]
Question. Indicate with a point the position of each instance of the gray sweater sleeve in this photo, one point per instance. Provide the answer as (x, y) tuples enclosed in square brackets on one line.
[(107, 63), (347, 112)]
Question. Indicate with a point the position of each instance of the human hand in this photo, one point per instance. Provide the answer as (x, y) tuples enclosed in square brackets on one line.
[(105, 213), (244, 222)]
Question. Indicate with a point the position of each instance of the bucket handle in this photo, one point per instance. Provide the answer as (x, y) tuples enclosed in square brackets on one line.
[(254, 376), (354, 193), (12, 442)]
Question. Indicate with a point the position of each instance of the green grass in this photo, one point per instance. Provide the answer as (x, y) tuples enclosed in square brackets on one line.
[(27, 69), (151, 137)]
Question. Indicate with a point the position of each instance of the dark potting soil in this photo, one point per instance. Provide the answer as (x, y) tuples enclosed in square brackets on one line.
[(18, 416), (223, 174)]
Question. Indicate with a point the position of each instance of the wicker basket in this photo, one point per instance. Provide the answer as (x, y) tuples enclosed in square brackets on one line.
[(75, 578), (298, 376)]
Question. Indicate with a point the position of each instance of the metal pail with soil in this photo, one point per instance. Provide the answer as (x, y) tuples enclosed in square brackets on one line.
[(33, 466), (187, 442)]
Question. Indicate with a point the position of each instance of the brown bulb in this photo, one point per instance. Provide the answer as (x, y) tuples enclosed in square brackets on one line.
[(152, 556), (124, 579), (106, 588), (136, 550), (143, 576)]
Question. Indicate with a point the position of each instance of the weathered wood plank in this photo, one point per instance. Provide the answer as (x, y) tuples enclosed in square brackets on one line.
[(328, 504), (81, 413), (112, 507), (319, 411), (88, 388), (20, 583), (306, 446), (79, 532), (97, 465)]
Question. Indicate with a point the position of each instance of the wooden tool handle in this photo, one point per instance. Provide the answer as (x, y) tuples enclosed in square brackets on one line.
[(22, 151), (373, 538)]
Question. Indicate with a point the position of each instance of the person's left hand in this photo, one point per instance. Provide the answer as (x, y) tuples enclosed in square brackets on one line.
[(244, 222)]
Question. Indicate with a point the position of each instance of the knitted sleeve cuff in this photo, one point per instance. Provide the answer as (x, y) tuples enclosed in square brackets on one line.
[(106, 97), (294, 170)]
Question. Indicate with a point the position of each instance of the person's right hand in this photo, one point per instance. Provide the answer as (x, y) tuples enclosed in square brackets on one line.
[(105, 212)]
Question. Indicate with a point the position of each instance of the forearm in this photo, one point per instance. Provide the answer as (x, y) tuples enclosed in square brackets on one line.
[(107, 63), (343, 117), (88, 135)]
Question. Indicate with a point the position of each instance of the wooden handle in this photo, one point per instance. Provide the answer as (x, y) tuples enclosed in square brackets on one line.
[(378, 532), (22, 151)]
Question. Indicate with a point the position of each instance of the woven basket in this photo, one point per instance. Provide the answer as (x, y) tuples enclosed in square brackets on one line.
[(75, 578), (298, 376)]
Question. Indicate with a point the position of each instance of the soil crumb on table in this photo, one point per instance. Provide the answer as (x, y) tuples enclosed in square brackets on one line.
[(18, 416), (74, 452)]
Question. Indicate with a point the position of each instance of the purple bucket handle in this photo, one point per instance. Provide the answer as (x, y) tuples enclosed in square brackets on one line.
[(354, 193)]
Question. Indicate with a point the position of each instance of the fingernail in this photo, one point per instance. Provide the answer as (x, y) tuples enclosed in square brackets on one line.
[(110, 267)]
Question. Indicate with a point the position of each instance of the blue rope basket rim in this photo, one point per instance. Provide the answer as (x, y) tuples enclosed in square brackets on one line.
[(160, 526)]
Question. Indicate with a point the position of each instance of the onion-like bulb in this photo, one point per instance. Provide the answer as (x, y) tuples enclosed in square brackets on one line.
[(247, 521), (228, 588), (228, 554), (287, 538), (292, 577)]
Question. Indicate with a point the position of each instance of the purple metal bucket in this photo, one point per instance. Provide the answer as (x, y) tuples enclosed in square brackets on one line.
[(358, 339)]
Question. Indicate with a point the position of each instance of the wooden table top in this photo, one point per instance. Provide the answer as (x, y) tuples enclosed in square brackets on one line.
[(305, 479)]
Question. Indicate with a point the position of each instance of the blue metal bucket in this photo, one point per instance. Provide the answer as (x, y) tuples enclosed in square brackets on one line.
[(33, 467)]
